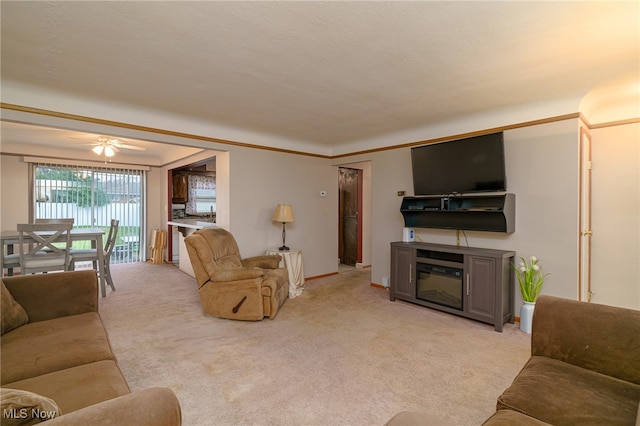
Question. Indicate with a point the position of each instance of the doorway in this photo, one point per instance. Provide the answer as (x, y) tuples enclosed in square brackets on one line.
[(350, 213)]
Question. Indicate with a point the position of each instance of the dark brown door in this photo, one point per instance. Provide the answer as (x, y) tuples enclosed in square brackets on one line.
[(350, 206)]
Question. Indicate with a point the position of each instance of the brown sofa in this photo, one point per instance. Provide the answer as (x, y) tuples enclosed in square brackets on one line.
[(232, 287), (57, 360), (584, 368)]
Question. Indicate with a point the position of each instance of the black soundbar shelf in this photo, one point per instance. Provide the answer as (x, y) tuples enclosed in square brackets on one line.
[(493, 213)]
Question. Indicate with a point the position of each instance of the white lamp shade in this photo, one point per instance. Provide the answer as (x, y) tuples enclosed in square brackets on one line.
[(283, 213)]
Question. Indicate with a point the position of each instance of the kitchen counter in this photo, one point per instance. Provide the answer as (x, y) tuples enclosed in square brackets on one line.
[(191, 223), (186, 227)]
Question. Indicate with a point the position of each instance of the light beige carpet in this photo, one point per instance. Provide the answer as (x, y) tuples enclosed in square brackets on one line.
[(340, 354)]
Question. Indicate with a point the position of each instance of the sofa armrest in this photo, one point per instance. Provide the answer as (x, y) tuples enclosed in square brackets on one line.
[(55, 295), (230, 275), (267, 261), (148, 407), (597, 337)]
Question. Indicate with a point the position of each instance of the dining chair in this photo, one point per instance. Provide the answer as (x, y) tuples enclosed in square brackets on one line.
[(57, 220), (91, 255), (10, 262), (44, 247)]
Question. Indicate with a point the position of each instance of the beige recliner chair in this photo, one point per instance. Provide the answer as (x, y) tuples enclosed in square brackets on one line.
[(232, 287)]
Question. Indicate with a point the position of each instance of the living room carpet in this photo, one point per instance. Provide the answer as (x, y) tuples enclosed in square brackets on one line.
[(339, 354)]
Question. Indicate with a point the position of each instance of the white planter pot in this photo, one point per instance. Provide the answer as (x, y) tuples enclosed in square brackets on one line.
[(526, 316)]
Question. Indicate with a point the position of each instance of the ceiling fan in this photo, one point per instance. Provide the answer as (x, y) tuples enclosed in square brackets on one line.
[(109, 146)]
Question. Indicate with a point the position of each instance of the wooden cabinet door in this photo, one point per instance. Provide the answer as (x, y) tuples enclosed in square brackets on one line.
[(480, 287), (180, 189), (403, 273)]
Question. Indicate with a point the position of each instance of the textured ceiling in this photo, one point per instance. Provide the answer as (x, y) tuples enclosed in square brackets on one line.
[(321, 73)]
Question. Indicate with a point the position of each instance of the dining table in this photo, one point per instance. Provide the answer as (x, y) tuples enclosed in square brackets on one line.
[(9, 238)]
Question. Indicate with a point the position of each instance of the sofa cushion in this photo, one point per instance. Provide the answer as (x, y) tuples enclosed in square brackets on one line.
[(46, 346), (78, 387), (21, 407), (49, 296), (596, 337), (559, 393), (12, 313)]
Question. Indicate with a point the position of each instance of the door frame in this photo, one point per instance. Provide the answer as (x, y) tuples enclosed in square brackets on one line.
[(585, 227), (359, 203)]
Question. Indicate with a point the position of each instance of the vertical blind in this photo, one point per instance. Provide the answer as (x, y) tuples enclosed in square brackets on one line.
[(93, 196)]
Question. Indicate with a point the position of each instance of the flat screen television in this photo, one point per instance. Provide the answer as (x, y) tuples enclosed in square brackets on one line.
[(473, 164)]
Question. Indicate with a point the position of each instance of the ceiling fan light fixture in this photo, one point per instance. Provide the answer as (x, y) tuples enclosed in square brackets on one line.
[(98, 149), (109, 152)]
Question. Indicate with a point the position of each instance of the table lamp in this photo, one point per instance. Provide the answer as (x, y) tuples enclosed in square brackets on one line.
[(283, 214)]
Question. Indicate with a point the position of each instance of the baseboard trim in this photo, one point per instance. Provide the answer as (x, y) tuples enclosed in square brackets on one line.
[(320, 276)]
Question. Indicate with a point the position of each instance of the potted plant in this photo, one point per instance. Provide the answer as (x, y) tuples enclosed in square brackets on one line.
[(531, 278)]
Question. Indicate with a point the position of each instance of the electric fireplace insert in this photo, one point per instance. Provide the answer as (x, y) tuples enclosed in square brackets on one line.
[(439, 278)]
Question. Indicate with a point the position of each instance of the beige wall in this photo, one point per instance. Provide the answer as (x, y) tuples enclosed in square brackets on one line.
[(259, 180), (542, 170), (616, 215), (250, 183), (14, 187), (390, 173)]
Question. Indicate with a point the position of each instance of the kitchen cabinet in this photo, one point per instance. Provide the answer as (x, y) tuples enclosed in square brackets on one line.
[(180, 192), (182, 228)]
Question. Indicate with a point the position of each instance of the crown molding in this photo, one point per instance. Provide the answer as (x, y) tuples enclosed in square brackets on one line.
[(165, 132)]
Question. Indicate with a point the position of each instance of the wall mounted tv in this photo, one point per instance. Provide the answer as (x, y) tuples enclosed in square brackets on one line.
[(473, 164)]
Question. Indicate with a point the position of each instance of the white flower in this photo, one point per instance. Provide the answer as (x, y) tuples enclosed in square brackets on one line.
[(536, 267), (534, 259), (522, 265), (523, 269)]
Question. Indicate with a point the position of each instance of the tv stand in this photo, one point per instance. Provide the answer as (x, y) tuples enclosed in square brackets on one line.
[(480, 279), (494, 213)]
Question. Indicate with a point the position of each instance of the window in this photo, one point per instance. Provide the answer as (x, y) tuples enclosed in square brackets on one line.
[(205, 201), (93, 196), (202, 195)]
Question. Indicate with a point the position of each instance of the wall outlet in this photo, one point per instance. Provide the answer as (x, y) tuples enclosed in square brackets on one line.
[(401, 193)]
